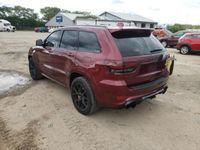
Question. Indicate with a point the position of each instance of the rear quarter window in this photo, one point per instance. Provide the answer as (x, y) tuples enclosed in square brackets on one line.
[(88, 42)]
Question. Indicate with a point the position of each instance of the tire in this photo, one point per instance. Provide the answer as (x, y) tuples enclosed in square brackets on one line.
[(164, 43), (184, 50), (82, 96), (8, 30), (34, 72)]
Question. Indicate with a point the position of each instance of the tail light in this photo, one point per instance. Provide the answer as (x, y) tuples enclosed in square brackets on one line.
[(117, 66)]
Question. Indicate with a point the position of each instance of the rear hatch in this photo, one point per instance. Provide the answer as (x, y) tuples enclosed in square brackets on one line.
[(142, 54)]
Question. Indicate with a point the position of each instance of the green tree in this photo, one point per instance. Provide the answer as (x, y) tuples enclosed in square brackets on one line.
[(65, 11), (178, 27), (5, 11), (25, 13), (82, 12), (21, 17), (49, 12)]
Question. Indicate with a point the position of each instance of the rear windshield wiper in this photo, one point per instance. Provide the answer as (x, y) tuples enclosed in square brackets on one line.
[(155, 50)]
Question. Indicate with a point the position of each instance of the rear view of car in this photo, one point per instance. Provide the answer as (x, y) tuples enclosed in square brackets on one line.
[(190, 42), (143, 72), (104, 67)]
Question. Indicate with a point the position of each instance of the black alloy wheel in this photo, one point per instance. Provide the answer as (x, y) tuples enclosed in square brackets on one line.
[(82, 96)]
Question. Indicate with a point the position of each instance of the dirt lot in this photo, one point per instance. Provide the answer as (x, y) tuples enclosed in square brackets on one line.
[(42, 116)]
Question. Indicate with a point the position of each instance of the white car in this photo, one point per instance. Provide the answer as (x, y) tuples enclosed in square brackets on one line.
[(6, 26)]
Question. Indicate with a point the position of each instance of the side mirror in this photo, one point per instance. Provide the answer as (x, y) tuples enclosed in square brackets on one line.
[(39, 42)]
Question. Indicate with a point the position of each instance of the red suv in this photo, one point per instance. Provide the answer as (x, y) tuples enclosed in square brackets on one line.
[(103, 67), (190, 42)]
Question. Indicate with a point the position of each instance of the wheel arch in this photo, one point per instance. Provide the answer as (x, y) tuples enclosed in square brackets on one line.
[(76, 74), (186, 44), (73, 76), (32, 54)]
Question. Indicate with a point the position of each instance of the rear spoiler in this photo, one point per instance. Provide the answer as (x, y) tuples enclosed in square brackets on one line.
[(131, 33)]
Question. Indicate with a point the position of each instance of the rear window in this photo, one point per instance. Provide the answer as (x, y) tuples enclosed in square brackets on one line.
[(134, 44)]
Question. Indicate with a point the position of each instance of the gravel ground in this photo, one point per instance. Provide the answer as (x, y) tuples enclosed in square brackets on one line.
[(41, 115)]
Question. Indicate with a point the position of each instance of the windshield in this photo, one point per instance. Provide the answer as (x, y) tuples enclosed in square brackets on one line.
[(136, 46), (6, 24), (179, 34)]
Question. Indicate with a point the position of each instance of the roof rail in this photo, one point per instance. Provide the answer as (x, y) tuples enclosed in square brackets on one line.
[(91, 26)]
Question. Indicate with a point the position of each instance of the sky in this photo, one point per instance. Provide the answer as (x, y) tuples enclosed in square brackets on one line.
[(162, 11)]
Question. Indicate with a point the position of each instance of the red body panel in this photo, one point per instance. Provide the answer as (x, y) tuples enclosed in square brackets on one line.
[(110, 89), (192, 40)]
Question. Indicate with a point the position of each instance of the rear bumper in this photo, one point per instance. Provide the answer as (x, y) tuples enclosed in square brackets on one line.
[(117, 94), (143, 98)]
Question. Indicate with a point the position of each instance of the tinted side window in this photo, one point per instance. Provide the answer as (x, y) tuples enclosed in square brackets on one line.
[(198, 36), (195, 36), (54, 38), (190, 36), (69, 40), (88, 42)]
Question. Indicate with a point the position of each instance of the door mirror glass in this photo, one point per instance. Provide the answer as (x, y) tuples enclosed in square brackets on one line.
[(39, 42)]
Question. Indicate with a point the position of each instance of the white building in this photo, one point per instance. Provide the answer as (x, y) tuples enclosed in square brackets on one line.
[(63, 19), (106, 18), (138, 20)]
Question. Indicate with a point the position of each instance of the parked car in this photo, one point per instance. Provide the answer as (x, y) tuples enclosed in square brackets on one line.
[(103, 67), (172, 39), (44, 29), (37, 29), (6, 26), (190, 42), (41, 29)]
